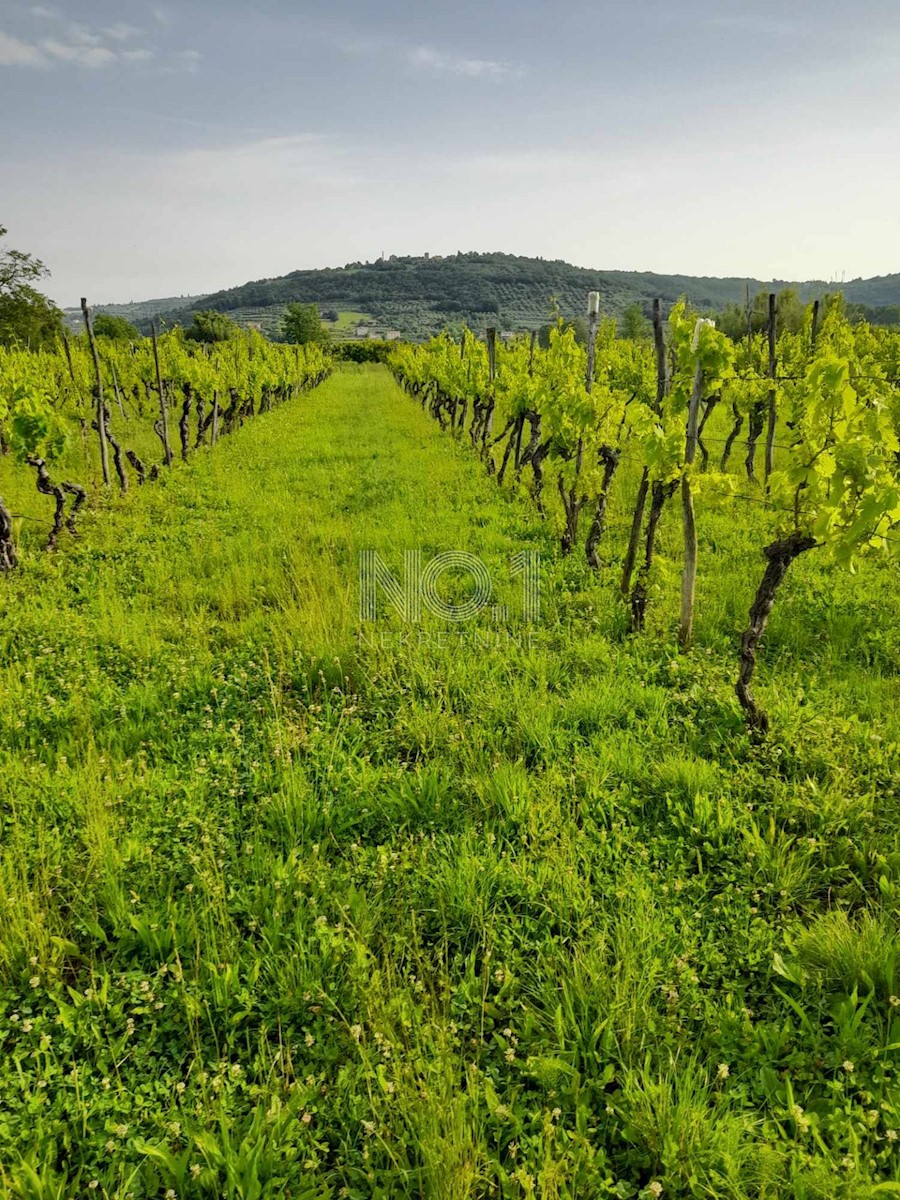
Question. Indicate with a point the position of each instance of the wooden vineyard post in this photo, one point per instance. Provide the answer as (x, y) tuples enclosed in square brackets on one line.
[(492, 374), (815, 323), (593, 319), (101, 413), (115, 379), (163, 410), (215, 417), (81, 420), (662, 388), (773, 390), (689, 575), (491, 338)]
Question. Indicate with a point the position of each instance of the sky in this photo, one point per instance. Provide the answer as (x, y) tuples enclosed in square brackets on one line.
[(163, 149)]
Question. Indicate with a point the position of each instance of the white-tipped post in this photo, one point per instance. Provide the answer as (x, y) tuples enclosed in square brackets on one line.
[(593, 304)]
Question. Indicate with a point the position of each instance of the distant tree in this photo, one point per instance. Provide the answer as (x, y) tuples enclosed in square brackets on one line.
[(886, 314), (789, 315), (368, 351), (732, 320), (107, 325), (633, 323), (301, 324), (330, 314), (211, 326), (26, 315), (789, 311)]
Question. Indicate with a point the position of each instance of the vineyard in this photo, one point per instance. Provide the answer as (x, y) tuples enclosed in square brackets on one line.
[(296, 901), (820, 411), (165, 398)]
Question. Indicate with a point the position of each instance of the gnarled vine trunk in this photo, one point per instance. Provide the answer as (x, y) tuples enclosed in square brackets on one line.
[(637, 524), (57, 492), (732, 437), (184, 423), (610, 459), (8, 560), (780, 555), (139, 468), (661, 493)]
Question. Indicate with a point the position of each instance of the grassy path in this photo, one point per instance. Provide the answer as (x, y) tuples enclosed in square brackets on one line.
[(287, 912)]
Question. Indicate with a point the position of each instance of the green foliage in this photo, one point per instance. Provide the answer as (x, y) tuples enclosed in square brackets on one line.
[(364, 351), (119, 329), (26, 316), (27, 405), (211, 327), (301, 324), (29, 319), (841, 483), (736, 321), (37, 430), (634, 322)]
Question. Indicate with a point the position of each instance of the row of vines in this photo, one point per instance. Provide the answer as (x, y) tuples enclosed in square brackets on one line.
[(816, 416), (77, 408)]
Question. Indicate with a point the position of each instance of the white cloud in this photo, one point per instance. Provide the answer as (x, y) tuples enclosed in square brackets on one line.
[(16, 53), (120, 32), (80, 53), (182, 60), (78, 45), (425, 58)]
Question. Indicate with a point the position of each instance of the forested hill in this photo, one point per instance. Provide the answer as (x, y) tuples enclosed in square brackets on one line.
[(418, 296)]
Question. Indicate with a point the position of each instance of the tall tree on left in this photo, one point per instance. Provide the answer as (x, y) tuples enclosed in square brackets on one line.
[(27, 317)]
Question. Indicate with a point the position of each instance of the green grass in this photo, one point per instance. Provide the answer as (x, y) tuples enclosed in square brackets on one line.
[(348, 321), (294, 908)]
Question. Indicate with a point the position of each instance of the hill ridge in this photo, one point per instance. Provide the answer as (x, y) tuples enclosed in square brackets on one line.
[(419, 295)]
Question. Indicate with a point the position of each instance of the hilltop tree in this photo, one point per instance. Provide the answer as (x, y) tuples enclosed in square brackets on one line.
[(211, 326), (26, 315), (633, 323), (107, 325), (301, 324), (790, 313)]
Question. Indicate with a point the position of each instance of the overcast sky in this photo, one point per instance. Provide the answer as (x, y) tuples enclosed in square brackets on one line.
[(162, 149)]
